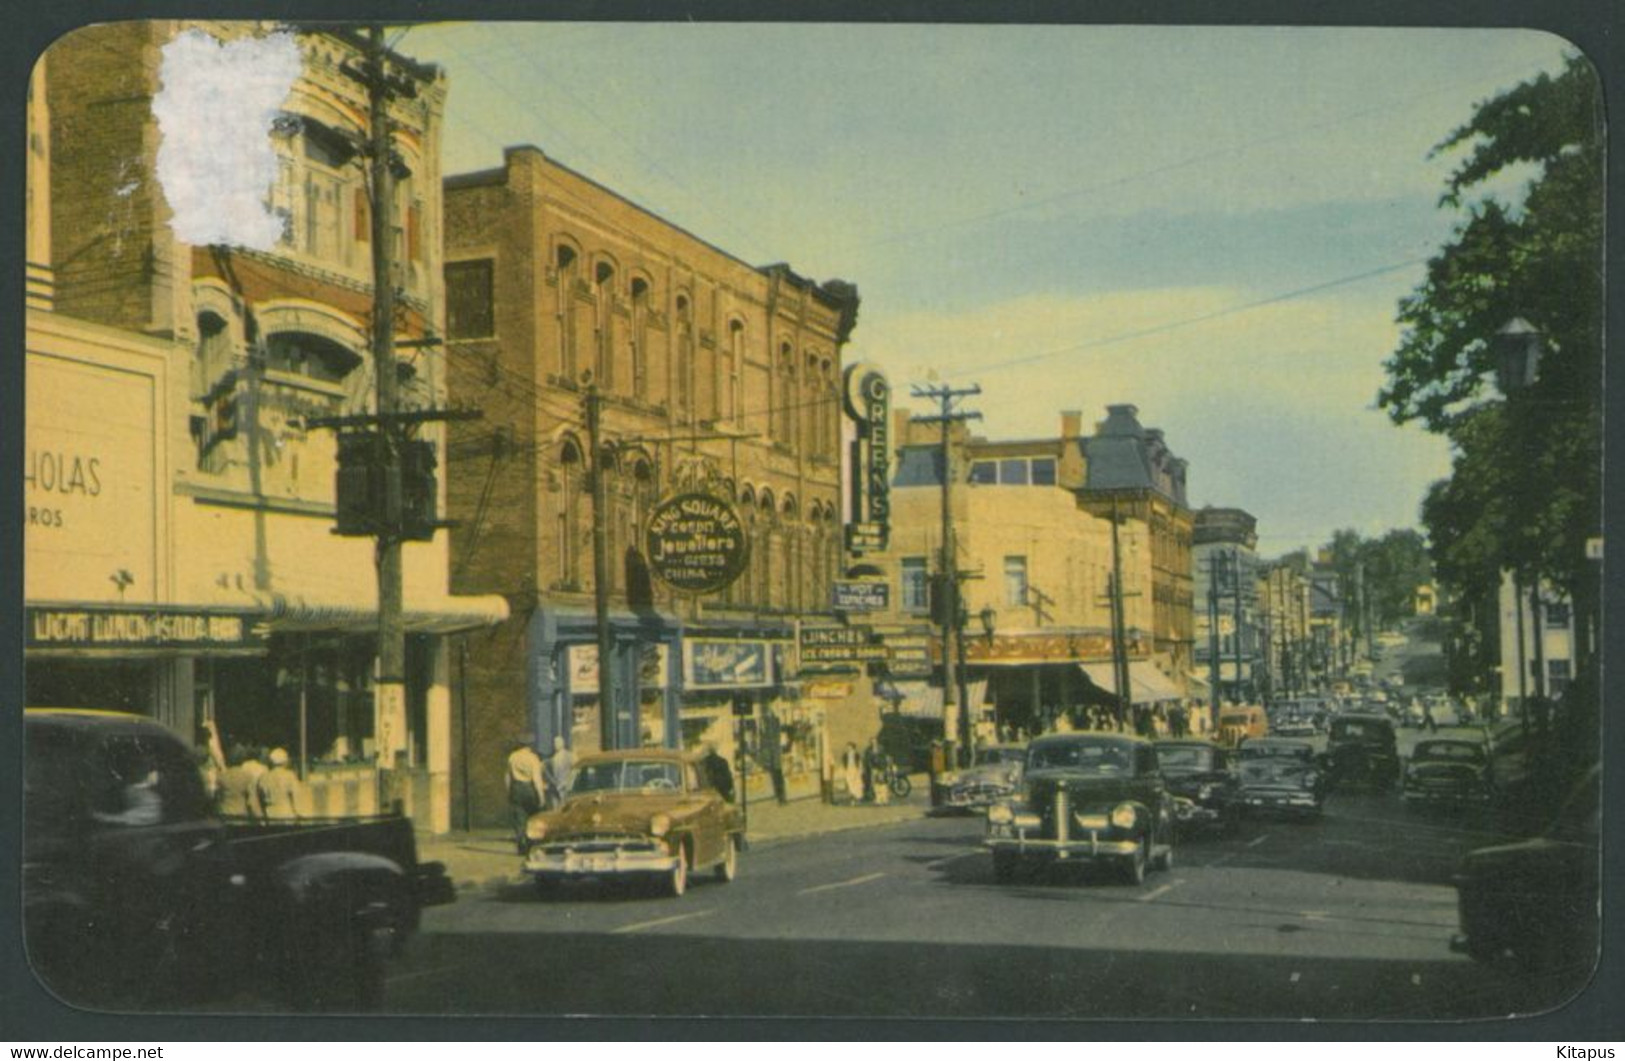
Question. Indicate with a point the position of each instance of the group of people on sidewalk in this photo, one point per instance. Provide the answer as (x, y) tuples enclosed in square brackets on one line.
[(244, 786), (865, 773), (535, 784)]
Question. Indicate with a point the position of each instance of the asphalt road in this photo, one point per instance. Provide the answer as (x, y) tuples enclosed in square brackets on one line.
[(1345, 918)]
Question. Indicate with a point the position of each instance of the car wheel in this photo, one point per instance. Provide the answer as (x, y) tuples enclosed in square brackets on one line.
[(677, 879), (1134, 865), (1005, 866), (728, 868)]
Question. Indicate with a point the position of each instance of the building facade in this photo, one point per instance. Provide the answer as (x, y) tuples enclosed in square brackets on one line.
[(568, 304), (1228, 632), (171, 387), (1538, 657)]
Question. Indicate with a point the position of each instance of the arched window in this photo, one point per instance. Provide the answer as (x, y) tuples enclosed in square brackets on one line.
[(790, 558), (732, 366), (766, 540), (685, 358), (640, 338), (784, 397), (812, 413), (604, 346), (743, 589), (572, 480), (830, 413), (568, 270)]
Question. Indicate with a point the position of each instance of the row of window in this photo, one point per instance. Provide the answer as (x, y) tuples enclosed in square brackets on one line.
[(915, 590), (1014, 471)]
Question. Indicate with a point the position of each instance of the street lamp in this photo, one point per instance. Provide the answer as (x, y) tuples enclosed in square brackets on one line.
[(1518, 347), (989, 618)]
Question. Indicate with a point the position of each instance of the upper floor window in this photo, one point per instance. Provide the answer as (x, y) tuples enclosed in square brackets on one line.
[(310, 356), (1015, 580), (469, 308), (1043, 471), (913, 591), (1014, 471), (1557, 615)]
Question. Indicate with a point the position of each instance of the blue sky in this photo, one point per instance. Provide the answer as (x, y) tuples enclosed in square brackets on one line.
[(1213, 224)]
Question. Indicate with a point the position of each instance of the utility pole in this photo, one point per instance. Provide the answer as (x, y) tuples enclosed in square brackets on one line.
[(390, 690), (1236, 559), (1125, 690), (600, 567), (1214, 673), (957, 724)]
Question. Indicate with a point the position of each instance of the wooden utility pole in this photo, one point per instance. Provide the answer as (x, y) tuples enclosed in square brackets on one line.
[(1120, 671), (1215, 673), (958, 729), (600, 568)]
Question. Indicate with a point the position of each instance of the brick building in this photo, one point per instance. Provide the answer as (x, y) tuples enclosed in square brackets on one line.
[(202, 579), (715, 376)]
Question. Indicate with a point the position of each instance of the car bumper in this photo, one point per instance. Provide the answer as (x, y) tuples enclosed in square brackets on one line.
[(1086, 845), (1446, 795), (1197, 814), (1279, 801), (565, 863)]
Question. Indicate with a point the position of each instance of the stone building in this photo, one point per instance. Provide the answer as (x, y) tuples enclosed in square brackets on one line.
[(194, 574), (711, 375)]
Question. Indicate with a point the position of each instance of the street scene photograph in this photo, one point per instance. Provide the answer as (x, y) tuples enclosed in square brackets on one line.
[(754, 520)]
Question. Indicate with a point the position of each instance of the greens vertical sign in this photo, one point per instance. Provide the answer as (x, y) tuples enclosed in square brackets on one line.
[(868, 403), (696, 543)]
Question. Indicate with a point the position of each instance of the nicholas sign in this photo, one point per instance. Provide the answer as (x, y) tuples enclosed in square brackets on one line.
[(696, 543)]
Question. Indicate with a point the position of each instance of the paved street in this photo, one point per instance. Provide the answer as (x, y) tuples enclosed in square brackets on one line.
[(1349, 917)]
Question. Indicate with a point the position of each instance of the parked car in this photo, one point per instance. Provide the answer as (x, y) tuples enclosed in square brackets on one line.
[(1242, 722), (1281, 776), (1199, 774), (994, 775), (646, 814), (1362, 750), (1448, 771), (1090, 797), (1537, 902), (136, 895)]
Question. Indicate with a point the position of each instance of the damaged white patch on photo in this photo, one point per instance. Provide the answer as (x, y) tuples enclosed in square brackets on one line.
[(215, 111)]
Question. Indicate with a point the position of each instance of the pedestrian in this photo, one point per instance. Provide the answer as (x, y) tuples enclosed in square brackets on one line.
[(717, 773), (238, 796), (279, 789), (871, 769), (527, 785), (772, 754), (1427, 717), (852, 771), (557, 773)]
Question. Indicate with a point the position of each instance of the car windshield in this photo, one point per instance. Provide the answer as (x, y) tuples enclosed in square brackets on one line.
[(635, 775), (995, 756), (1102, 757), (1272, 750), (1455, 751), (1184, 758), (1349, 729)]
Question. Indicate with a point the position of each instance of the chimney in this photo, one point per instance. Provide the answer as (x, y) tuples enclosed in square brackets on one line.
[(1071, 423)]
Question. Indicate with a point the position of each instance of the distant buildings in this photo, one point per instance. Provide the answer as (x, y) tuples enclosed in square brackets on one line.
[(1229, 636)]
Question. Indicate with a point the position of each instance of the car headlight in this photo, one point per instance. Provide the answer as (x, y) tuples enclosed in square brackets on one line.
[(1000, 814), (660, 825), (536, 829), (949, 779), (1311, 778), (1204, 793), (1124, 816)]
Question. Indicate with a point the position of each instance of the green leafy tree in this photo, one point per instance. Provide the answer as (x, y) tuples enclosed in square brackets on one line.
[(1525, 489)]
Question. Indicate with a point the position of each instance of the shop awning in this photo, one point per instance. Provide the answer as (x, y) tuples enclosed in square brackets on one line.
[(923, 700), (1149, 685), (421, 612)]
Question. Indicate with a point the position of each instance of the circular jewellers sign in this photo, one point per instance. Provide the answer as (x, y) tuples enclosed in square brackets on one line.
[(696, 543)]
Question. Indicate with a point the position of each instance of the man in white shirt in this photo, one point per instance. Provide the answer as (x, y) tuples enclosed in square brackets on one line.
[(527, 785)]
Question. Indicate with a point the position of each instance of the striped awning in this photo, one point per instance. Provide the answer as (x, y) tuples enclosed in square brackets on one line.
[(923, 700), (1149, 685), (421, 612)]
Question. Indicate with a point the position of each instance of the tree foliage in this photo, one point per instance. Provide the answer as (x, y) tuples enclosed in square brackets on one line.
[(1525, 487)]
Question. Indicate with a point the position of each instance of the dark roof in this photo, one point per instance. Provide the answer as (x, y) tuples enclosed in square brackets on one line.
[(1124, 455)]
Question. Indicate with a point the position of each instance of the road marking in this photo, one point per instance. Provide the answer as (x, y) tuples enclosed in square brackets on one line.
[(638, 926), (1164, 890), (1258, 840), (840, 884)]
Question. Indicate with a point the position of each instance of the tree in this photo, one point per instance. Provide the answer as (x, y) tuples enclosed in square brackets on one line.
[(1526, 486)]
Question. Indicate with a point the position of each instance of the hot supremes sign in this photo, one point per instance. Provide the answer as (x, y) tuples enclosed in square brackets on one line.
[(696, 543)]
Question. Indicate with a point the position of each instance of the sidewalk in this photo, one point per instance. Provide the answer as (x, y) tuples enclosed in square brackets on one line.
[(484, 858)]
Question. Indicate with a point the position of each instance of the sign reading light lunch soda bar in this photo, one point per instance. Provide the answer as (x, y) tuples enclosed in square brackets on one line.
[(696, 543)]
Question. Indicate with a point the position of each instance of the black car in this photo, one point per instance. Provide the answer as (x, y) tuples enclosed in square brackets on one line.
[(1536, 902), (1447, 771), (1090, 798), (1199, 774), (1362, 749), (1281, 776)]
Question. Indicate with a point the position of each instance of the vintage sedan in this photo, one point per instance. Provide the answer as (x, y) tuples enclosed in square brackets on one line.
[(994, 775), (1090, 798), (1362, 749), (1198, 774), (645, 814), (1281, 776), (1537, 902), (1447, 771)]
